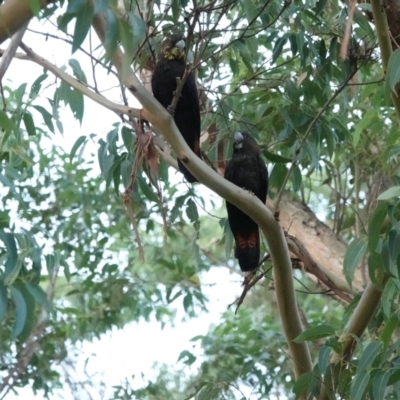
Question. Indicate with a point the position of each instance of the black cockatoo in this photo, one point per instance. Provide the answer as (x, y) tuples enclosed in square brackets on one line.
[(171, 64), (247, 170)]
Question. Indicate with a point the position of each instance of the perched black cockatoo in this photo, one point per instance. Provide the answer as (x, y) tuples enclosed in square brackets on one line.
[(171, 64), (247, 170)]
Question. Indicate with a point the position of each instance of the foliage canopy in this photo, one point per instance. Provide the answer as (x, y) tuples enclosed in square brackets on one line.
[(90, 242)]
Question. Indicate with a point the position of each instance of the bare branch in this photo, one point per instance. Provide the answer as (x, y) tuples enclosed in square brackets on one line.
[(117, 108)]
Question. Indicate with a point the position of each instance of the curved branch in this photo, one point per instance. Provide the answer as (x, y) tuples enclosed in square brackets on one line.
[(163, 122), (117, 108)]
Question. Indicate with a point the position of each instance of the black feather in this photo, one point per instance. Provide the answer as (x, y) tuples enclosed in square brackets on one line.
[(172, 64), (247, 170)]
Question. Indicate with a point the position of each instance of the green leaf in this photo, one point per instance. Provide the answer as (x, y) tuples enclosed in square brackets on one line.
[(191, 210), (29, 124), (363, 124), (296, 178), (105, 160), (390, 193), (276, 158), (36, 86), (40, 296), (315, 333), (75, 147), (4, 219), (67, 272), (393, 70), (187, 302), (30, 311), (376, 271), (47, 117), (278, 48), (19, 94), (146, 189), (20, 312), (374, 225), (3, 301), (319, 7), (394, 245), (50, 263), (277, 176), (128, 138), (352, 258), (6, 182), (394, 377), (82, 25), (324, 356), (138, 28), (77, 70), (387, 297), (368, 356), (302, 385), (360, 383), (12, 254), (111, 38), (5, 123), (35, 6), (387, 331), (380, 384), (188, 357), (77, 104)]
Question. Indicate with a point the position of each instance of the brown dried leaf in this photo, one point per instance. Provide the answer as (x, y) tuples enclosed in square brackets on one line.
[(152, 159)]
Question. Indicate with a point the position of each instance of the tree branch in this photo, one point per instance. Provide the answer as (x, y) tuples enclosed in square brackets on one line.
[(117, 108), (382, 31), (158, 116)]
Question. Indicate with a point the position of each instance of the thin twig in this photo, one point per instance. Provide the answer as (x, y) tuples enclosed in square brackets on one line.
[(80, 87)]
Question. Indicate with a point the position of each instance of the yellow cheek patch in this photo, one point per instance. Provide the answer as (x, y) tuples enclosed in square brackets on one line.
[(173, 54)]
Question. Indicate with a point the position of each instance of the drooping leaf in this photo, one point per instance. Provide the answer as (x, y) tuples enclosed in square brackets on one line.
[(12, 254), (359, 385), (368, 356), (29, 124), (392, 192), (393, 70), (3, 301), (374, 225), (380, 384), (302, 385), (352, 258), (47, 117), (77, 70), (324, 356), (40, 296), (20, 311), (82, 25), (315, 333), (78, 143)]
